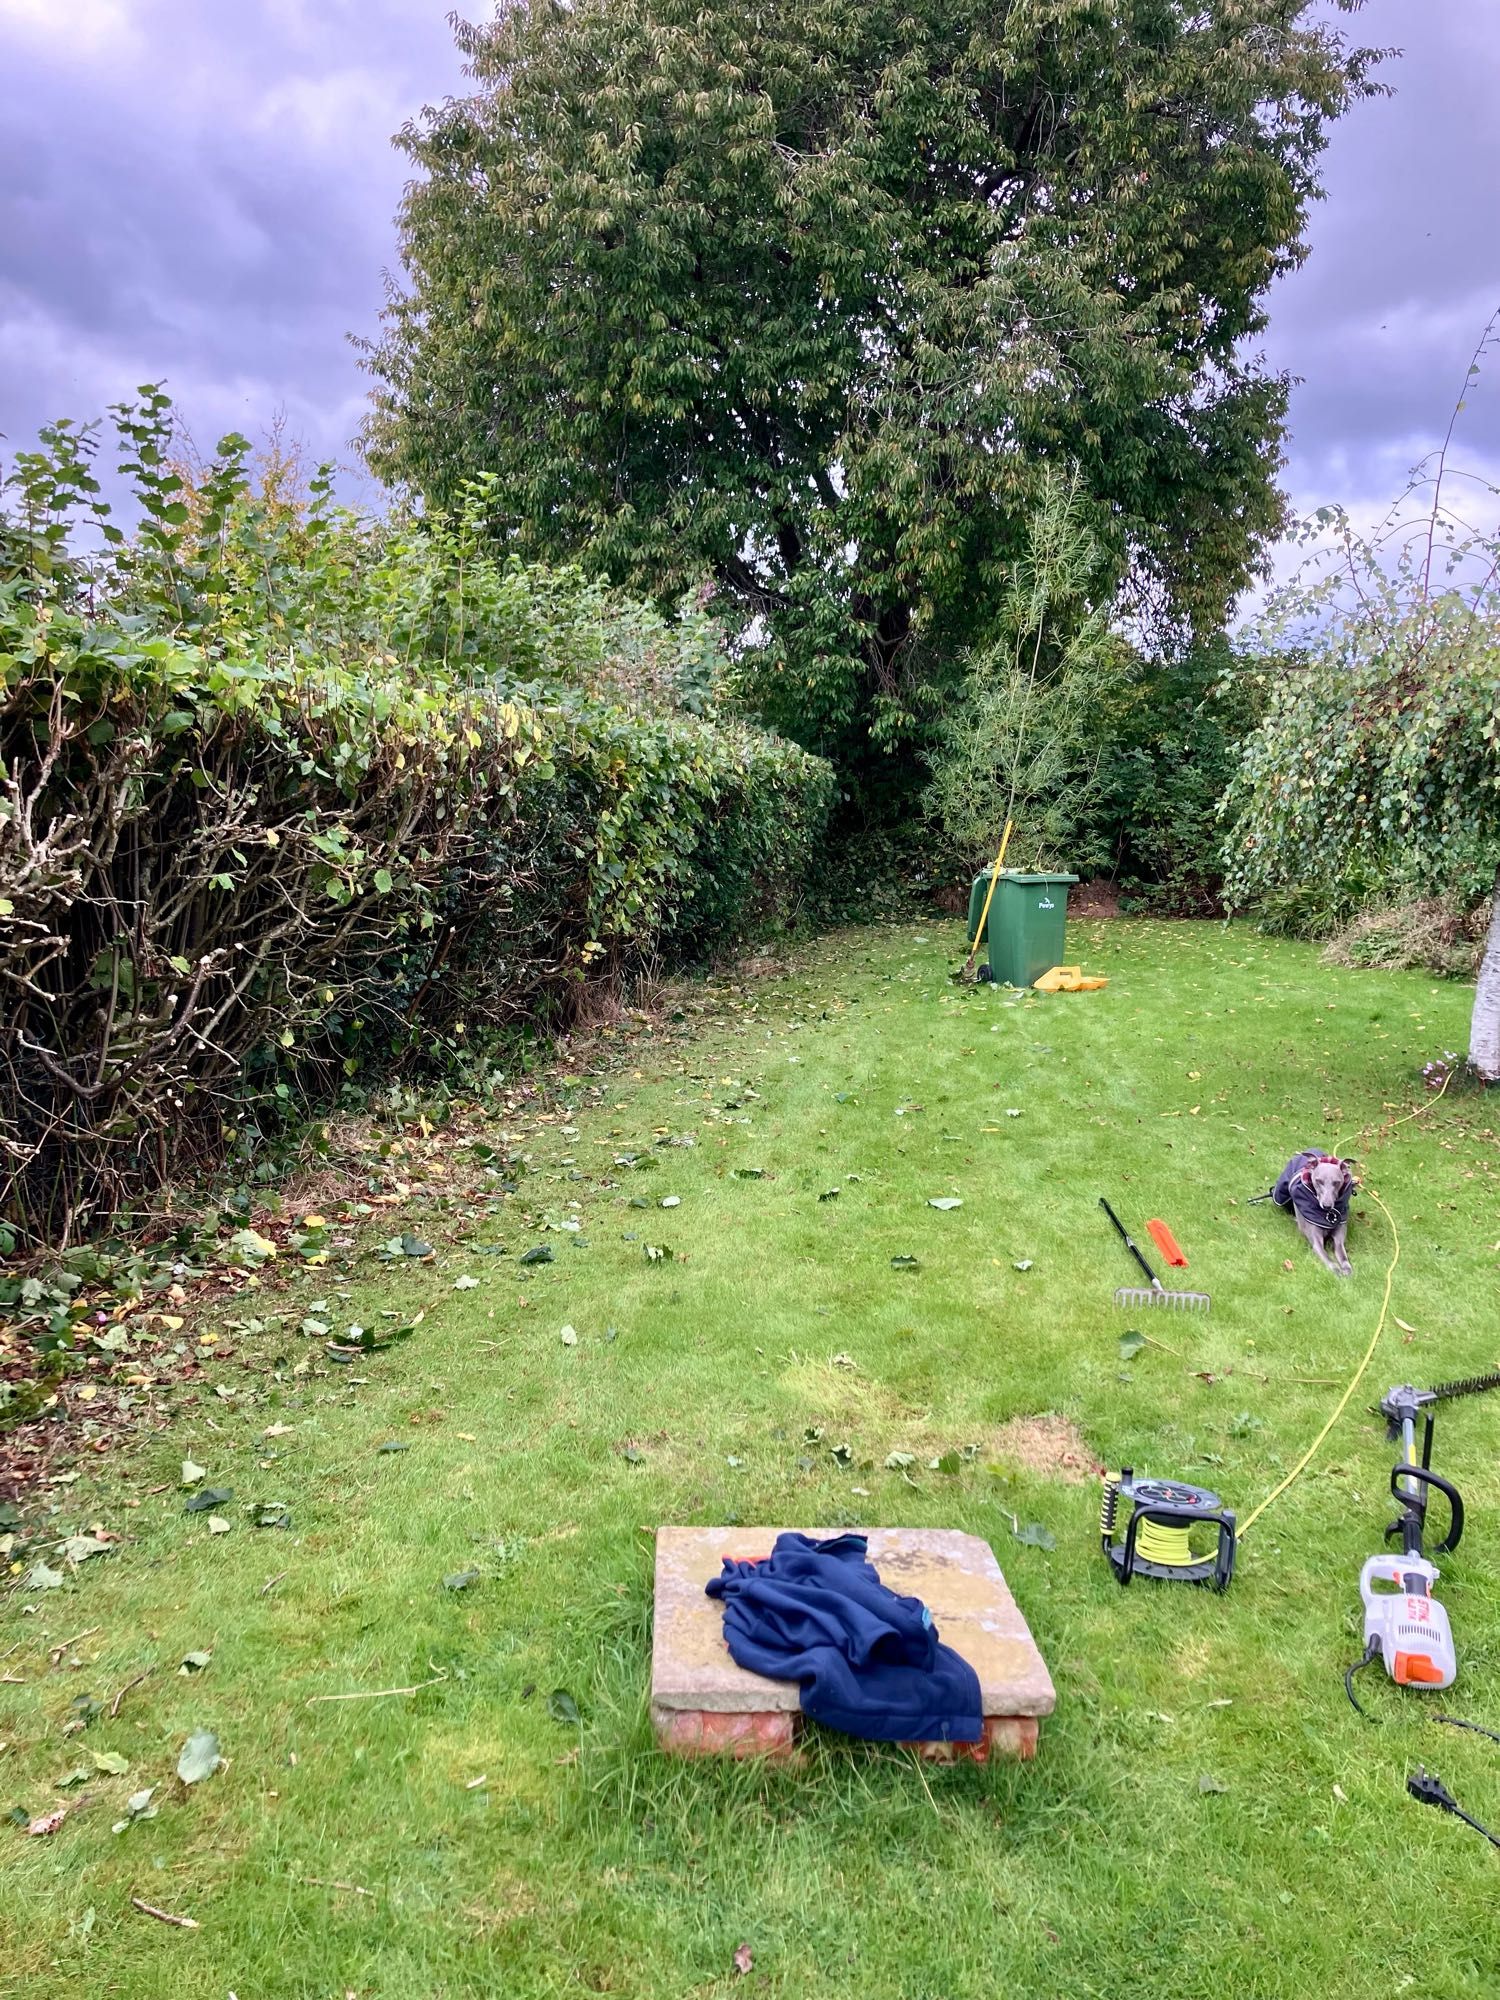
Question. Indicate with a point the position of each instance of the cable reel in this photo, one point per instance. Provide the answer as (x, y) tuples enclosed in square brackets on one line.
[(1158, 1531)]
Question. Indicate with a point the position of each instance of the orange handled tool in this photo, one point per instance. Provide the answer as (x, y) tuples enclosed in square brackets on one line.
[(1167, 1243)]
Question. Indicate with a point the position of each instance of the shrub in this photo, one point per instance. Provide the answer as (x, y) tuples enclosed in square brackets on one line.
[(1423, 934), (287, 795)]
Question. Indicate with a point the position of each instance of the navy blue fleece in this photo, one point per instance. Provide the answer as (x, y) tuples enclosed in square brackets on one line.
[(868, 1662)]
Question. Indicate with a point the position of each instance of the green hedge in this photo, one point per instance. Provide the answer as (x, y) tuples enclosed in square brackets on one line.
[(289, 796)]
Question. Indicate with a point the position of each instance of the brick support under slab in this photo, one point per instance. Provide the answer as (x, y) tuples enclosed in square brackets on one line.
[(710, 1732)]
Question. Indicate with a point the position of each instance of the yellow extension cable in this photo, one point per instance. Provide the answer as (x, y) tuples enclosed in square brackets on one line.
[(1354, 1381)]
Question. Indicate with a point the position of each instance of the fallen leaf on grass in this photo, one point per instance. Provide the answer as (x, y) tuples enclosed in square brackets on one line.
[(110, 1762), (905, 1264), (1035, 1536), (40, 1577), (217, 1525), (209, 1498), (744, 1958), (946, 1201), (541, 1254), (199, 1757), (278, 1430), (191, 1473), (271, 1514), (671, 1201), (194, 1663), (137, 1806), (1131, 1345), (1402, 1324), (465, 1283), (461, 1579), (46, 1823), (562, 1707), (898, 1461), (569, 1336), (1208, 1783), (1021, 1264), (78, 1548)]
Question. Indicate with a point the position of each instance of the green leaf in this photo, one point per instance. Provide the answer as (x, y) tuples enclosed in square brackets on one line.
[(383, 881), (199, 1757), (461, 1579), (209, 1500), (562, 1707), (541, 1253), (110, 1762), (905, 1264), (194, 1663), (1131, 1345), (1035, 1536)]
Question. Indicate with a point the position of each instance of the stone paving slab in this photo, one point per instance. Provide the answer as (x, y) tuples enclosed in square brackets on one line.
[(702, 1702)]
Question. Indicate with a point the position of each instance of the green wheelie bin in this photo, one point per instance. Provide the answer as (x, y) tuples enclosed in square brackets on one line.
[(1028, 926)]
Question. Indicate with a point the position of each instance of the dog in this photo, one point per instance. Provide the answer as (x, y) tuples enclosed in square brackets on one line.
[(1316, 1187)]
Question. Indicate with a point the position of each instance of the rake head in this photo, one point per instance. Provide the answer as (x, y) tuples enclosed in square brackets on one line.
[(1157, 1295)]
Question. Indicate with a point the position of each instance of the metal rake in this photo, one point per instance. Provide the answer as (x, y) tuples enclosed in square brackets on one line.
[(1156, 1293)]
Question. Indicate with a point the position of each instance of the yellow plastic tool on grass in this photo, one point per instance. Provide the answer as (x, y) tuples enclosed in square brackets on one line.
[(1068, 979)]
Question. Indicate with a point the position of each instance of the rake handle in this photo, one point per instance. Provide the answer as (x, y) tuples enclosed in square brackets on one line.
[(1130, 1244)]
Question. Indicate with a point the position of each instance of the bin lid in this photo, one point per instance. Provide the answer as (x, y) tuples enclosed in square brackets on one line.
[(1007, 875)]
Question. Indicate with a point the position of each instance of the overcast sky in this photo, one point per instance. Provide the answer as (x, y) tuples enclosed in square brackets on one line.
[(204, 190)]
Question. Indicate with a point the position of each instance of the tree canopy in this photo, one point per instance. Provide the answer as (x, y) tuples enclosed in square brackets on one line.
[(802, 297)]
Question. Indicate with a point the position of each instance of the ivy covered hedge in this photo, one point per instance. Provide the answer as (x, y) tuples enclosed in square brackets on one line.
[(289, 796)]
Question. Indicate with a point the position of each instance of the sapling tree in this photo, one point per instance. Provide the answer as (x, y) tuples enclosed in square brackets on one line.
[(1016, 744)]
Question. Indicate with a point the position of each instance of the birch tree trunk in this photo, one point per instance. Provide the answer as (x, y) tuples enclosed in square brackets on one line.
[(1484, 1032)]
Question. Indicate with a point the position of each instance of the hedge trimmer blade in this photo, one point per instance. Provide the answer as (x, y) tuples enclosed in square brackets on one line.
[(1466, 1385)]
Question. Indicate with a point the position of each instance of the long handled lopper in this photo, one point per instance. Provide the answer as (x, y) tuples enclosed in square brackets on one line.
[(966, 970), (1156, 1294)]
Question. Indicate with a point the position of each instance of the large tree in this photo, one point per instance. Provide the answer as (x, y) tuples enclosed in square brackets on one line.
[(803, 296)]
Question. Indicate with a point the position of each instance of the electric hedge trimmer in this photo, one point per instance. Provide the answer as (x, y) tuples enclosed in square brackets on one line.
[(1405, 1625)]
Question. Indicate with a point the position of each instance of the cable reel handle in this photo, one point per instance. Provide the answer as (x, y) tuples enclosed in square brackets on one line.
[(1425, 1476), (1130, 1243)]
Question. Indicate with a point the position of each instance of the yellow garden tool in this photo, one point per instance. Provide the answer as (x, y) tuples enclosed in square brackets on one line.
[(966, 970)]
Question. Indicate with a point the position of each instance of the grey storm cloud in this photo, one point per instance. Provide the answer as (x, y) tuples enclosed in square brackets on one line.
[(205, 192)]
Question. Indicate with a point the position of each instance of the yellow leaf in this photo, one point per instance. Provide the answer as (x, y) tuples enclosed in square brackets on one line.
[(171, 1321), (273, 839), (88, 1392), (1403, 1326)]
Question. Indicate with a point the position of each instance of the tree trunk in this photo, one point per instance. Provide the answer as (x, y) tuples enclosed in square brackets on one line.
[(1484, 1032)]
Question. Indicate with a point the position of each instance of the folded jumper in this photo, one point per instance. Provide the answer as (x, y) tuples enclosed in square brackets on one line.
[(867, 1661)]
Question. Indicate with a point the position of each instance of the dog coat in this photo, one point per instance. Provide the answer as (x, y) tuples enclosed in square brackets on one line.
[(868, 1662), (1295, 1191)]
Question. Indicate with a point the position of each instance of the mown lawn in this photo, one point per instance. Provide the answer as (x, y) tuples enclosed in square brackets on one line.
[(1206, 1816)]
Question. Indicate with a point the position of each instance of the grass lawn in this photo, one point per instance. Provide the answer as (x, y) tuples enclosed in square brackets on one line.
[(1206, 1817)]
